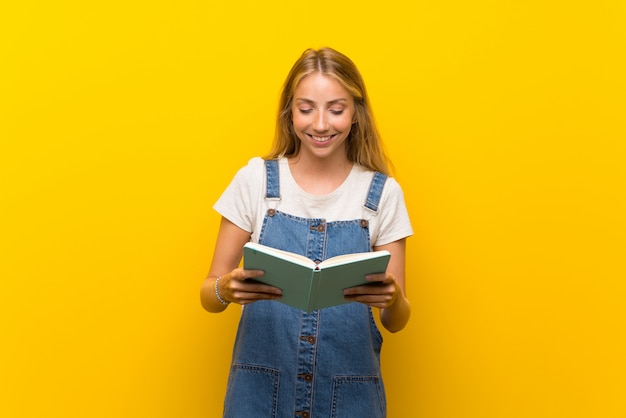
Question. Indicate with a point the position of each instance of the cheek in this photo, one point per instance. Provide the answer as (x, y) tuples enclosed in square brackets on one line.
[(298, 124), (346, 123), (297, 120)]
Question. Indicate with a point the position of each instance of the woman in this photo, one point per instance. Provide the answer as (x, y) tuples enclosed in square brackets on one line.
[(323, 190)]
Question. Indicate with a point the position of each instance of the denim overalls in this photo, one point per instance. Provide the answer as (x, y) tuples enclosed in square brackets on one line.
[(287, 363)]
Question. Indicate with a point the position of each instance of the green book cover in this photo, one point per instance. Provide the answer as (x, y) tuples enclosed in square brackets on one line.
[(307, 285)]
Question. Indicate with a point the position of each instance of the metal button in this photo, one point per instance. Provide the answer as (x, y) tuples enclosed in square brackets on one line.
[(310, 339), (320, 228), (271, 212), (364, 223), (307, 377)]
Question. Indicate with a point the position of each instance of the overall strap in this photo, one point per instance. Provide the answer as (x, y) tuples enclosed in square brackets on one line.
[(272, 180), (375, 191)]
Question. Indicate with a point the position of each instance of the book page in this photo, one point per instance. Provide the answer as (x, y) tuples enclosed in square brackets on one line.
[(351, 258), (285, 255)]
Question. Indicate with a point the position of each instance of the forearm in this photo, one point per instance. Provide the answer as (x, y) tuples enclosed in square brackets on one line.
[(395, 316), (226, 257)]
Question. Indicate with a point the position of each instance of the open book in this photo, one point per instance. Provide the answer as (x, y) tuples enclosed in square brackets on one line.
[(307, 285)]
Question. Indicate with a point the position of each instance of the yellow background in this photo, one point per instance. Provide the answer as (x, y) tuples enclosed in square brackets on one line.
[(122, 121)]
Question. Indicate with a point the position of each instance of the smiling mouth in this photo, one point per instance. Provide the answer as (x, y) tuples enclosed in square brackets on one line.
[(321, 139)]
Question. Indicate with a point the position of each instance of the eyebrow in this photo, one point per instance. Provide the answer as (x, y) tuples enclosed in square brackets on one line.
[(332, 102)]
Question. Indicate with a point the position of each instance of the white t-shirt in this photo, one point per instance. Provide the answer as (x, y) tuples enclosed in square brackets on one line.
[(244, 204)]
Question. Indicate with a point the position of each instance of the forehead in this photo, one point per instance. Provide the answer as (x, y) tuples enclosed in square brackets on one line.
[(318, 87)]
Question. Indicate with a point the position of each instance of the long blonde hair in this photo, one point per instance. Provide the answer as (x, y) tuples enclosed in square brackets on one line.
[(363, 145)]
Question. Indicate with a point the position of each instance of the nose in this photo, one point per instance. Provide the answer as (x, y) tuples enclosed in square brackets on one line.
[(321, 122)]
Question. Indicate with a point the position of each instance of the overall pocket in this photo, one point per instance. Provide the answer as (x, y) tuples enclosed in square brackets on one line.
[(252, 391), (358, 396)]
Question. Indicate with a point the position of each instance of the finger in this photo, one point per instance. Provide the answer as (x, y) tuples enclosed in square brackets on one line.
[(241, 274), (376, 301), (376, 288), (379, 277), (244, 298), (256, 287), (251, 274)]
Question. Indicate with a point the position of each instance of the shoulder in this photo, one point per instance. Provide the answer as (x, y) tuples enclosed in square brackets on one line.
[(239, 202), (392, 186), (251, 172), (393, 215), (392, 197), (364, 175), (255, 165), (248, 179)]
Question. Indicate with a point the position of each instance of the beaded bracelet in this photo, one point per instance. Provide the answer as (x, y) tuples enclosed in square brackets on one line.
[(217, 293)]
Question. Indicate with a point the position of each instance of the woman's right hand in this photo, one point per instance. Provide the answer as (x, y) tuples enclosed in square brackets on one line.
[(233, 286), (236, 288)]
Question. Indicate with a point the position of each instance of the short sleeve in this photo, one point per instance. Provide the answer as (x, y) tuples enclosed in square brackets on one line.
[(239, 202), (394, 222)]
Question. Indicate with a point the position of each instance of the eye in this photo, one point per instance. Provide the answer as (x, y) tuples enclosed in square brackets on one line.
[(336, 112), (305, 111)]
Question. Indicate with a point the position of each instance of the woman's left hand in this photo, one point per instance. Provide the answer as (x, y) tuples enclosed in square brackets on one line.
[(382, 292)]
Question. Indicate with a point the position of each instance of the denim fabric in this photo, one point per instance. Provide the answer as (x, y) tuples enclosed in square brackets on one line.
[(376, 188), (287, 363)]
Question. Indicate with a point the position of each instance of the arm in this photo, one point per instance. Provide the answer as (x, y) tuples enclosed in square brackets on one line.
[(232, 284), (390, 295)]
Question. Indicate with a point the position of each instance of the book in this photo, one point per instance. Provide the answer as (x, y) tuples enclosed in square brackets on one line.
[(308, 285)]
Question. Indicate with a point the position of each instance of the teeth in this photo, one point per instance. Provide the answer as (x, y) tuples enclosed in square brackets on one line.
[(321, 138)]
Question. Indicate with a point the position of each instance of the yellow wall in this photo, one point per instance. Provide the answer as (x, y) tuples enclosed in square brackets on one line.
[(122, 121)]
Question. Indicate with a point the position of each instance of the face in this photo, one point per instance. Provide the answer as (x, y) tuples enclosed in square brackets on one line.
[(323, 113)]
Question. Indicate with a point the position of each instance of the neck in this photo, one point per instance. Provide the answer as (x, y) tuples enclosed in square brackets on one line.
[(319, 177)]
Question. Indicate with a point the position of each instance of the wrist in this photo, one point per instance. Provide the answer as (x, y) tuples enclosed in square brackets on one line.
[(219, 297)]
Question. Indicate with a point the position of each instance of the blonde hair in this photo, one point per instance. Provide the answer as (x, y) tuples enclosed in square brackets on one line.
[(364, 145)]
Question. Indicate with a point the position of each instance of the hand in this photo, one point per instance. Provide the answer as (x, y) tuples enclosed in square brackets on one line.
[(382, 292), (234, 287)]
